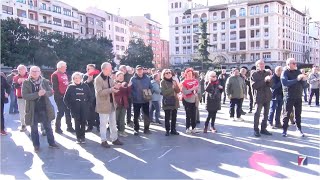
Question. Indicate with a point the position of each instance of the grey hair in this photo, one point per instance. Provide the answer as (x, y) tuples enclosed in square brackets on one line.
[(21, 66), (76, 74), (288, 61), (105, 64), (259, 61), (209, 74), (122, 67), (60, 64)]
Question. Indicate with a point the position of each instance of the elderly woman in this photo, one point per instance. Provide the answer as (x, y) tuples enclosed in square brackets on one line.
[(170, 101), (78, 98)]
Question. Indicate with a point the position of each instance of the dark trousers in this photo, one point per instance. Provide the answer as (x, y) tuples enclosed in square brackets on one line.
[(129, 110), (266, 107), (233, 103), (2, 118), (288, 105), (155, 105), (212, 116), (276, 107), (13, 102), (170, 114), (203, 98), (224, 95), (250, 101), (93, 118), (41, 117), (80, 127), (305, 94), (316, 93), (136, 114), (190, 114), (62, 110)]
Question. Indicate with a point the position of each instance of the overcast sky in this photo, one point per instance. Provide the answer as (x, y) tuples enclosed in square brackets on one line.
[(159, 8)]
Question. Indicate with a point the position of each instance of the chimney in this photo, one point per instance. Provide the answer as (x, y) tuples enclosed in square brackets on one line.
[(148, 15)]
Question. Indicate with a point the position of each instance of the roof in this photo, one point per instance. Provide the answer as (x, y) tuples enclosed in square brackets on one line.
[(218, 7)]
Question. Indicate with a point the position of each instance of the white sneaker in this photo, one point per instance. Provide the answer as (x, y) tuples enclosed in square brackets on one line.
[(300, 133), (232, 119), (240, 119), (195, 131), (188, 131)]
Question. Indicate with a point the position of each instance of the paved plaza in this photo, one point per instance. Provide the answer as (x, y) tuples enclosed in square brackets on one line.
[(231, 153)]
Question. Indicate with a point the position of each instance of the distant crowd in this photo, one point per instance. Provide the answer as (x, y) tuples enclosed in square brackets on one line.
[(105, 99)]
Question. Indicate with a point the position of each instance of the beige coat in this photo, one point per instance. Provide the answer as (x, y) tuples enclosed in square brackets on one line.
[(103, 91)]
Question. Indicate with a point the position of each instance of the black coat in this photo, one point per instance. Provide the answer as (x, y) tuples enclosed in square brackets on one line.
[(78, 98), (213, 96), (5, 87)]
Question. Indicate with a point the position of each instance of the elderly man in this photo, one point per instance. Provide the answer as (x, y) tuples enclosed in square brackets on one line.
[(277, 99), (314, 81), (36, 92), (60, 83), (106, 104), (140, 87), (293, 83), (17, 84), (127, 76), (261, 81)]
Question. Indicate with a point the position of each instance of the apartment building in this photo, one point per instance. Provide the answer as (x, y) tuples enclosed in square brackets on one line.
[(152, 30), (137, 31), (241, 32), (314, 41), (164, 54)]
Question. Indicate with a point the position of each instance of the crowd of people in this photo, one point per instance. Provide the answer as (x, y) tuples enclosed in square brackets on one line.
[(106, 99)]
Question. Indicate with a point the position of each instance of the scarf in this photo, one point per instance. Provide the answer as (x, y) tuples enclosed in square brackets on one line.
[(103, 76), (170, 80), (36, 82), (214, 82)]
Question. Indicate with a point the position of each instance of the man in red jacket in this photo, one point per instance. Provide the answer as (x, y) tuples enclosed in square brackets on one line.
[(17, 83), (60, 83)]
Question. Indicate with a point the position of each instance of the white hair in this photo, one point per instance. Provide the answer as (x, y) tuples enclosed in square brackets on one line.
[(76, 74), (105, 64), (209, 74), (21, 66), (289, 60), (60, 64)]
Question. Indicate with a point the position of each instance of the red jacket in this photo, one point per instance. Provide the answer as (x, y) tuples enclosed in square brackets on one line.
[(17, 85), (122, 97), (188, 84), (60, 82)]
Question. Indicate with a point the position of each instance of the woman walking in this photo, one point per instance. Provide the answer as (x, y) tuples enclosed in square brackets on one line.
[(78, 99), (213, 92), (170, 101)]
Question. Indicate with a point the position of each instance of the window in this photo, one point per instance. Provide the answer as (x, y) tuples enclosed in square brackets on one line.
[(266, 9), (257, 10), (266, 20), (266, 56), (21, 13), (67, 12), (252, 57), (57, 9), (233, 13), (223, 25), (243, 46), (223, 15), (81, 30), (257, 33), (195, 18), (176, 5), (252, 33), (233, 24), (252, 11), (177, 30), (176, 21), (233, 35), (257, 44), (204, 17), (252, 22), (234, 58), (57, 21), (171, 5), (81, 20), (242, 12), (177, 50), (266, 44), (257, 22), (266, 32), (215, 37), (242, 23), (67, 24), (223, 46), (7, 9), (233, 46), (214, 16), (223, 36), (257, 56), (21, 1), (68, 34), (90, 21), (252, 45), (215, 26), (242, 34), (117, 47)]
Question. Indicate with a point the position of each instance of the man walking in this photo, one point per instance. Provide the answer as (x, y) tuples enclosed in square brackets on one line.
[(106, 105), (60, 83), (293, 83), (261, 81)]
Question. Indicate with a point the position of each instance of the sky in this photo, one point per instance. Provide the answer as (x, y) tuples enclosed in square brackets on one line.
[(159, 8)]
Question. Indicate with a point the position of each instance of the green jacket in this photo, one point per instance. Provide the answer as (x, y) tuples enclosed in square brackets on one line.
[(31, 98), (167, 90), (235, 87)]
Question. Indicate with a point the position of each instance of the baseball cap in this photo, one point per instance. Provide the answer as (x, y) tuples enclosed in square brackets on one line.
[(139, 67)]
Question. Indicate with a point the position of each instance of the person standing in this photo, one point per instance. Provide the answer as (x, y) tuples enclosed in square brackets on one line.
[(5, 90), (293, 83), (60, 83), (17, 83), (249, 92), (235, 88), (261, 81), (13, 98), (121, 98), (223, 79), (88, 78), (243, 75), (141, 95), (156, 98), (127, 71), (170, 101), (277, 99), (314, 81), (106, 105), (36, 92), (190, 87), (213, 93), (306, 88), (202, 91), (78, 98)]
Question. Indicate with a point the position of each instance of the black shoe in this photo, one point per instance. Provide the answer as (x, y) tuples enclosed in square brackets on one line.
[(167, 133), (36, 149), (265, 132), (78, 141), (83, 141), (257, 134), (89, 129), (43, 133), (117, 142), (250, 112), (147, 132), (198, 122), (174, 133), (54, 145), (136, 133), (59, 131), (243, 113), (98, 128), (70, 129), (158, 122)]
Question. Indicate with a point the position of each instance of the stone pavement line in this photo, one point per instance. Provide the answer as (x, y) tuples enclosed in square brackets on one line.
[(113, 159), (165, 153)]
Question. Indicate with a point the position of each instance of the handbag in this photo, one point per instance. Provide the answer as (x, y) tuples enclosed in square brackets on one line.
[(146, 93), (169, 100)]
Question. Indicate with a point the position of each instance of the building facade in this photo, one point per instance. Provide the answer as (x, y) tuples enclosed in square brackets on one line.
[(241, 32), (164, 54), (314, 41)]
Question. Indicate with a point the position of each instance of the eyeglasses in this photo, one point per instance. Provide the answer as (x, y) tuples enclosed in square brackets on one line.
[(35, 71), (213, 76), (168, 73), (294, 63)]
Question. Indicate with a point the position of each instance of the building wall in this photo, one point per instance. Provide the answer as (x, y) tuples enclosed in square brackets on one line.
[(164, 57)]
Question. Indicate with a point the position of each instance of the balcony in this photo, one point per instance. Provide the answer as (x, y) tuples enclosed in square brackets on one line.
[(47, 24), (233, 37), (46, 11), (215, 28)]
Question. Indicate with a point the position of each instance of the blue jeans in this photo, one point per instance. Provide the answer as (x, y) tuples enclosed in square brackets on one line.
[(276, 107), (41, 117), (13, 102), (155, 105)]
